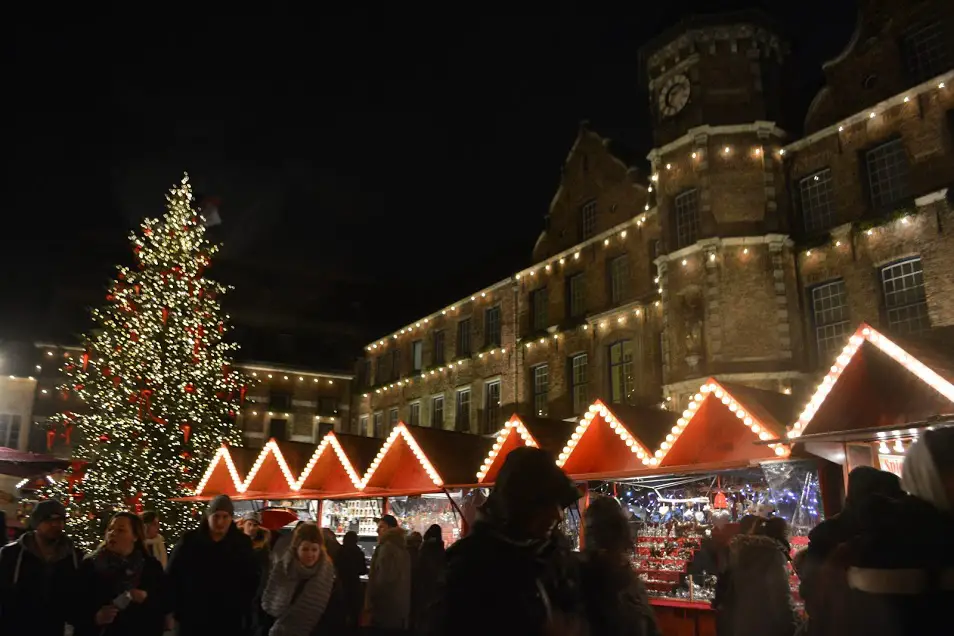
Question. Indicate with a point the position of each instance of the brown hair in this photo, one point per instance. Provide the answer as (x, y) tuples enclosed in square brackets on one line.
[(310, 532)]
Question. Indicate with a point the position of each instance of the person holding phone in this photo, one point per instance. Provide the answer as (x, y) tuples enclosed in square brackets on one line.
[(121, 588)]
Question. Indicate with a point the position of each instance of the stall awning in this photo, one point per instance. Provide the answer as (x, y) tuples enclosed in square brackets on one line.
[(604, 442), (421, 460), (722, 424), (19, 464), (879, 382), (522, 430), (282, 470)]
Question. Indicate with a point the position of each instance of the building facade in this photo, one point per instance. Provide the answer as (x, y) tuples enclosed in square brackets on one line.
[(744, 255)]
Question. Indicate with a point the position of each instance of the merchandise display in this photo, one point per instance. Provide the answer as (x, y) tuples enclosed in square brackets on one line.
[(352, 514), (417, 514)]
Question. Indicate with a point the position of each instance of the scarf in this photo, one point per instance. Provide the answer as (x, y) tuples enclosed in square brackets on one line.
[(920, 477), (121, 574), (287, 581)]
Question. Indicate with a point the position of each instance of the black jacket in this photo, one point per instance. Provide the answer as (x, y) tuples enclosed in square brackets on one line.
[(35, 596), (616, 600), (212, 582), (536, 581), (94, 591)]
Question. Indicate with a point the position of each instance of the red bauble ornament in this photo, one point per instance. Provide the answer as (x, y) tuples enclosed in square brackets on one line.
[(104, 438), (78, 387), (189, 388)]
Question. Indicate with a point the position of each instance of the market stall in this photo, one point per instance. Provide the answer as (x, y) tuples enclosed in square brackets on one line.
[(522, 430), (412, 469), (685, 480), (879, 394)]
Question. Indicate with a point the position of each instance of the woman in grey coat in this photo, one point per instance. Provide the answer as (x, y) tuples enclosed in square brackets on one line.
[(299, 585)]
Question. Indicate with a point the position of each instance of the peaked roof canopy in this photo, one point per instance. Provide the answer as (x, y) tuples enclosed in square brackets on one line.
[(550, 435), (878, 381), (722, 423), (602, 443)]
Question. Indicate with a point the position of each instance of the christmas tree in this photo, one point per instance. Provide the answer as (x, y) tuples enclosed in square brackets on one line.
[(157, 378)]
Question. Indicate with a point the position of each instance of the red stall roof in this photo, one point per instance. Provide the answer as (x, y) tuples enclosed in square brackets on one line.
[(721, 424), (878, 381), (226, 472), (522, 430), (605, 443), (417, 459)]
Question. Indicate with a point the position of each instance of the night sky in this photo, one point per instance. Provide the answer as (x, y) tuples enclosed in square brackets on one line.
[(372, 167)]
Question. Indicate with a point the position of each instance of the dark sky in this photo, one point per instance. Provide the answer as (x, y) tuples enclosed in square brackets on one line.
[(379, 164)]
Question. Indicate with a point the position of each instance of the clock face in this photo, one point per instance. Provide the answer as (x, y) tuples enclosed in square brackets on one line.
[(674, 95)]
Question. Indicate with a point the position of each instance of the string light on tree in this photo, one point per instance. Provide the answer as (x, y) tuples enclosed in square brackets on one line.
[(156, 375)]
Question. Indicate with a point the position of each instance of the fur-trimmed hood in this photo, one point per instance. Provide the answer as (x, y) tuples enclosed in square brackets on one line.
[(394, 536)]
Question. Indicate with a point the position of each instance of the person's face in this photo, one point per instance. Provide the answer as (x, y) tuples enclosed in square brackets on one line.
[(152, 529), (120, 538), (51, 530), (308, 553), (543, 520), (382, 528), (251, 527), (219, 524)]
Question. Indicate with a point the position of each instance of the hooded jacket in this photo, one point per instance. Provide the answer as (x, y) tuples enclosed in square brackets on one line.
[(35, 594), (757, 599), (207, 575), (389, 585)]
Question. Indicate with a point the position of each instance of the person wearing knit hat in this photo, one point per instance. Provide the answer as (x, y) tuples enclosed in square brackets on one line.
[(36, 573), (213, 566), (251, 523)]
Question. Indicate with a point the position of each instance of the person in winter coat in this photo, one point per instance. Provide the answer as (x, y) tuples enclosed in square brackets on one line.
[(616, 600), (299, 585), (213, 567), (899, 569), (756, 599), (822, 585), (261, 548), (38, 575), (510, 551), (388, 598), (350, 566), (121, 589), (155, 542), (334, 619), (427, 578)]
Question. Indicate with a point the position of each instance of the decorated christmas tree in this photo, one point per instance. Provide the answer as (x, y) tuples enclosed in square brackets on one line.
[(157, 378)]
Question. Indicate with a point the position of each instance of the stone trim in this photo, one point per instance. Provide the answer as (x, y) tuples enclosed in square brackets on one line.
[(730, 241), (742, 378), (764, 130), (932, 197)]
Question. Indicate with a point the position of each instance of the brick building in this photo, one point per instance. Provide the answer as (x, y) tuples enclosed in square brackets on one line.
[(745, 254)]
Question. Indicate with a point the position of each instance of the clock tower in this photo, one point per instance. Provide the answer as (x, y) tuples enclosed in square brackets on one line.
[(727, 269)]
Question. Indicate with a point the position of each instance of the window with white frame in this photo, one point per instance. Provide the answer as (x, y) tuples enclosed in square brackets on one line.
[(619, 279), (815, 196), (437, 411), (621, 371), (491, 406), (492, 326), (378, 424), (888, 172), (687, 218), (414, 417), (588, 219), (576, 295), (925, 51), (579, 381), (902, 284), (363, 426), (462, 410), (541, 389), (10, 430), (417, 355), (539, 309), (830, 319)]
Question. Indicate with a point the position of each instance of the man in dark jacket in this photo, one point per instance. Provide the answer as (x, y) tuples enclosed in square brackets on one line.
[(211, 568), (38, 574), (511, 556)]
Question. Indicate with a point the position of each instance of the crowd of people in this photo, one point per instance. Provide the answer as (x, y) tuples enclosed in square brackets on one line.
[(884, 566)]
